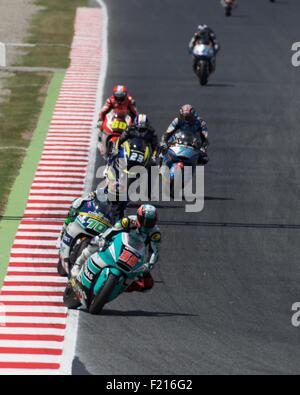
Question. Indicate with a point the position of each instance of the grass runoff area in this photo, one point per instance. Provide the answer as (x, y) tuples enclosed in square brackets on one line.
[(25, 93), (26, 108)]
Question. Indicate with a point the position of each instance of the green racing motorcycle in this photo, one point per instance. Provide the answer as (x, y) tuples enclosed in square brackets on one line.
[(107, 273)]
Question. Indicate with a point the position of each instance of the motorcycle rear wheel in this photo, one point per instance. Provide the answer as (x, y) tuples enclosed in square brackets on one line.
[(60, 269), (99, 301)]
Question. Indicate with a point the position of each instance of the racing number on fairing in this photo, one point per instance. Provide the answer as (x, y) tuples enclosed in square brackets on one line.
[(95, 225), (135, 157), (129, 258), (119, 125)]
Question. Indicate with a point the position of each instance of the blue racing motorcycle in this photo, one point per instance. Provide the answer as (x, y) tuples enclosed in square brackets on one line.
[(183, 151)]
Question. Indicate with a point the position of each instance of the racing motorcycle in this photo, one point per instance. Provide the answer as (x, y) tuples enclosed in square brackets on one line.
[(203, 54), (115, 123), (182, 152), (90, 222), (107, 274), (133, 152), (228, 6)]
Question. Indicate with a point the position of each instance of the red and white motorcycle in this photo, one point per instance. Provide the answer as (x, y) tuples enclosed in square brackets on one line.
[(114, 124)]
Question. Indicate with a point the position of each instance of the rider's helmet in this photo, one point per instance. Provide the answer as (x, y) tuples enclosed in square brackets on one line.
[(187, 113), (203, 33), (120, 93), (142, 122), (146, 218), (202, 28)]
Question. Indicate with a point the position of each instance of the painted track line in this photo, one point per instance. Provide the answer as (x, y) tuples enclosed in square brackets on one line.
[(39, 335)]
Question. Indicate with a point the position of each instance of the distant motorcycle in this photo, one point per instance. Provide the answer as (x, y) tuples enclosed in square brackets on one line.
[(204, 57), (115, 123), (89, 223), (118, 265), (228, 6), (182, 152)]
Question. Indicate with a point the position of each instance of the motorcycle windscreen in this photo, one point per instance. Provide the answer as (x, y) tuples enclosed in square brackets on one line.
[(182, 148), (184, 137)]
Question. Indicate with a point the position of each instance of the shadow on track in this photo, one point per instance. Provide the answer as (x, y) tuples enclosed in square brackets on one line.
[(170, 205), (79, 369), (219, 85), (141, 313), (230, 225)]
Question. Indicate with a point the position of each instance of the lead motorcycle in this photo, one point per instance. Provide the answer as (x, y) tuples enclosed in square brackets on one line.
[(107, 274), (204, 57), (90, 222), (228, 6)]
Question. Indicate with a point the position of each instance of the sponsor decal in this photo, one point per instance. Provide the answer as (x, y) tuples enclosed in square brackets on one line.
[(89, 275), (67, 239)]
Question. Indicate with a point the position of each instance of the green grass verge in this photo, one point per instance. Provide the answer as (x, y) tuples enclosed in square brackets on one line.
[(52, 25), (20, 109), (21, 105), (18, 117), (19, 194)]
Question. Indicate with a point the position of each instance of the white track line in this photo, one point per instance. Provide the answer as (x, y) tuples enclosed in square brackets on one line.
[(72, 326)]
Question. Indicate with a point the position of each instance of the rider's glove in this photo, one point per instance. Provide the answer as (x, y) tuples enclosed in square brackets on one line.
[(99, 124)]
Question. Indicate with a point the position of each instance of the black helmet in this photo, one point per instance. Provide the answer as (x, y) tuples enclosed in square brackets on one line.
[(187, 113)]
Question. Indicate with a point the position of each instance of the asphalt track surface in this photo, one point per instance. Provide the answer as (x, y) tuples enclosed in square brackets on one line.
[(229, 275)]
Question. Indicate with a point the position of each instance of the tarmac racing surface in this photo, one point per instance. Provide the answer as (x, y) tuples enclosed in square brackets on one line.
[(228, 276)]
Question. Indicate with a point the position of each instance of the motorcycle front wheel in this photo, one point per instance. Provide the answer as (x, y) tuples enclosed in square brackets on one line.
[(203, 73), (228, 10), (99, 301)]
